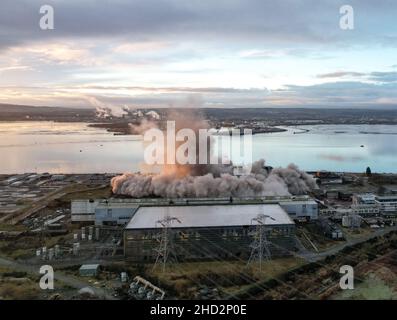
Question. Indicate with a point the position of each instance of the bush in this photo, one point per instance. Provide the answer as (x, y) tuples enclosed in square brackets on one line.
[(14, 274)]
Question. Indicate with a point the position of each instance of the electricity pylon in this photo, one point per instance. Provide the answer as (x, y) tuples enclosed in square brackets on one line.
[(260, 245), (166, 245)]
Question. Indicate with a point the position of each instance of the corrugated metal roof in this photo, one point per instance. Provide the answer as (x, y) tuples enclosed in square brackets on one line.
[(208, 215), (390, 197), (89, 267), (299, 202), (117, 205), (83, 206)]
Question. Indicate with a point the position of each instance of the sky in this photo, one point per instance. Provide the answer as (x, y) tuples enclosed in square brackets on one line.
[(199, 53)]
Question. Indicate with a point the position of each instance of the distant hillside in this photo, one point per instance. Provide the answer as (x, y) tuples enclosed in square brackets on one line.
[(285, 114), (9, 112), (275, 116)]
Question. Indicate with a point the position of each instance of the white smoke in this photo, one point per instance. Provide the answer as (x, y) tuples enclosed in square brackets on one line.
[(215, 180), (142, 126), (279, 182), (152, 115), (106, 110)]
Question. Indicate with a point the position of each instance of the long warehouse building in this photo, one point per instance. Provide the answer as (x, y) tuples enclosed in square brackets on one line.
[(119, 211), (207, 232)]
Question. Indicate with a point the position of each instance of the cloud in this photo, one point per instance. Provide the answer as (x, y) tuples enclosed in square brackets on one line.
[(342, 94), (57, 53), (223, 21), (379, 76), (139, 47), (18, 67), (267, 53), (383, 76), (340, 74), (177, 89), (339, 158), (159, 52)]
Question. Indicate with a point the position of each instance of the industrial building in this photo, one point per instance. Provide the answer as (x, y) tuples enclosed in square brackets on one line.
[(89, 270), (326, 177), (329, 229), (206, 232), (332, 194), (83, 211), (306, 209), (387, 205), (106, 211), (116, 211), (352, 221), (365, 198), (365, 210)]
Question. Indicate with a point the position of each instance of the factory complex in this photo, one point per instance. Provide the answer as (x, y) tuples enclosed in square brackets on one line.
[(207, 231), (80, 226), (116, 211), (202, 228)]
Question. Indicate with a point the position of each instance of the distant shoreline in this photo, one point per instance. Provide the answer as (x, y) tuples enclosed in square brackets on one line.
[(272, 117)]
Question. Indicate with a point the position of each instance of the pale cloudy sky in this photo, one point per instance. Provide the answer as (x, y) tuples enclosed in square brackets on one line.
[(218, 53)]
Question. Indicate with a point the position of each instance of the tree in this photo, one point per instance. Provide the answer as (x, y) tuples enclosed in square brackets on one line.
[(368, 172)]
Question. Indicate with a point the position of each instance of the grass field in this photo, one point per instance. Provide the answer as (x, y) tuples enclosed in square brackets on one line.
[(17, 286), (228, 276)]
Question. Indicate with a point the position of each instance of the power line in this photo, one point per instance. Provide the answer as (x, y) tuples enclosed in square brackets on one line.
[(165, 241), (260, 245)]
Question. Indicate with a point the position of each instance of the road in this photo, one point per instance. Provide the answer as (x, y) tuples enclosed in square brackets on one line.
[(312, 256), (69, 280)]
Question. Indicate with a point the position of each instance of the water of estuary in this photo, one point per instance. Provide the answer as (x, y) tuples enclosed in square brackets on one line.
[(78, 148)]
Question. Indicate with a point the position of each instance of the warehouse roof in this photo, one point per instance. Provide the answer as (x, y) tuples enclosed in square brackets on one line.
[(117, 205), (298, 202), (89, 267), (208, 215)]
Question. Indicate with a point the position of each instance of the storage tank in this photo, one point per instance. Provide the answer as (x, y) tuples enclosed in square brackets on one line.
[(76, 248), (346, 221), (50, 254), (57, 250), (123, 277)]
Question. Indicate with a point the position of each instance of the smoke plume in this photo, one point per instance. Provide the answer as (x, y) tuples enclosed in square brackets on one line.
[(279, 182), (108, 110), (210, 180)]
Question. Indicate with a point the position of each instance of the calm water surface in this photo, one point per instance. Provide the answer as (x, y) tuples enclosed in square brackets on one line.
[(77, 148)]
